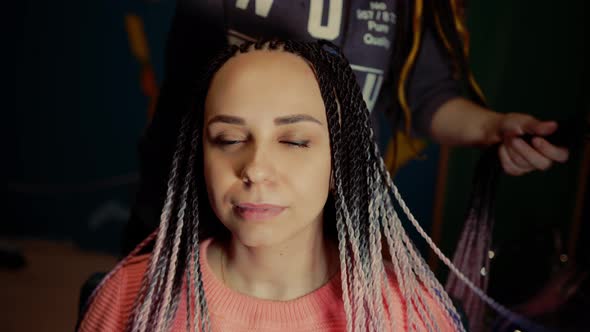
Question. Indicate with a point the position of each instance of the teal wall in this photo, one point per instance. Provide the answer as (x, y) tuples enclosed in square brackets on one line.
[(76, 111)]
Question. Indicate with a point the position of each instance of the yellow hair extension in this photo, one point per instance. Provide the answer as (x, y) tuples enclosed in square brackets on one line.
[(401, 90), (137, 39), (476, 87), (461, 29), (447, 44), (459, 21), (442, 35), (400, 150)]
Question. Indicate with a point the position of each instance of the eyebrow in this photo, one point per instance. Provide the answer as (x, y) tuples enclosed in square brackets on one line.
[(227, 119), (284, 120), (290, 119)]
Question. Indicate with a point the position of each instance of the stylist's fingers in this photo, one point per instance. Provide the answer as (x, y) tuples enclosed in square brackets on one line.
[(508, 164), (549, 150), (517, 158), (518, 124), (539, 128), (536, 159)]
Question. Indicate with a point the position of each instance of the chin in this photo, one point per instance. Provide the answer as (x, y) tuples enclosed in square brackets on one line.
[(257, 237)]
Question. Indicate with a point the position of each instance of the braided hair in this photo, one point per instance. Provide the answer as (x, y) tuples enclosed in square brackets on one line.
[(447, 19), (361, 209)]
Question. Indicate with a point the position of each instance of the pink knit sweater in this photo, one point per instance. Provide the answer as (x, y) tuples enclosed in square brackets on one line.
[(320, 310)]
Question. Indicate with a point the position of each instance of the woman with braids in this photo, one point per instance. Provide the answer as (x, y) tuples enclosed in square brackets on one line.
[(277, 206), (406, 56)]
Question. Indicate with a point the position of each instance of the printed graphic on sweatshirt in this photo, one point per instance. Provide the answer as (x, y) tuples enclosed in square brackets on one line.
[(364, 30)]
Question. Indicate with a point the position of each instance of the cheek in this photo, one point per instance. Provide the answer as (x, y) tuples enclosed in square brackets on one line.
[(311, 178), (218, 176)]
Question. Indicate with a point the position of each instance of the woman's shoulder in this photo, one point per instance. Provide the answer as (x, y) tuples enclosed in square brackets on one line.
[(113, 302), (127, 275), (135, 265)]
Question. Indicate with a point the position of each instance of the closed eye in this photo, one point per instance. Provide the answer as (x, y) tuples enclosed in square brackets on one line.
[(297, 144), (225, 142)]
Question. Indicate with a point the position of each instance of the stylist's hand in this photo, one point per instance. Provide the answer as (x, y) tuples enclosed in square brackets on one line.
[(519, 157)]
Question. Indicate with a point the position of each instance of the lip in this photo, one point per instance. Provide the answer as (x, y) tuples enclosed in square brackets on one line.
[(257, 212)]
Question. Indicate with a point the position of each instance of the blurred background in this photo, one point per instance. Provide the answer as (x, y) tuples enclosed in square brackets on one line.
[(78, 99)]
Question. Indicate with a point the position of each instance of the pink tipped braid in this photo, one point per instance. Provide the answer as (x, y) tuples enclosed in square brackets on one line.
[(141, 313)]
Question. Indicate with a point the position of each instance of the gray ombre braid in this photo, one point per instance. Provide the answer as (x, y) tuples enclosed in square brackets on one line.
[(362, 203), (356, 155)]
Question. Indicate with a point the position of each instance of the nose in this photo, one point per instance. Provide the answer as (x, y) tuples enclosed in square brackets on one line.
[(258, 167)]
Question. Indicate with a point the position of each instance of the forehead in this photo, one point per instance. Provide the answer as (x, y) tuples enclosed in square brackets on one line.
[(263, 83)]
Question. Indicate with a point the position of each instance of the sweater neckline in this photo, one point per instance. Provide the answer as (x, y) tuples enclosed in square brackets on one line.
[(237, 306)]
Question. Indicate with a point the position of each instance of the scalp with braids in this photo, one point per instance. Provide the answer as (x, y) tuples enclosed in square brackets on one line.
[(361, 210)]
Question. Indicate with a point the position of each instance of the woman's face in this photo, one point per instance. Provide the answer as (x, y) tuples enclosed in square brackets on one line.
[(266, 147)]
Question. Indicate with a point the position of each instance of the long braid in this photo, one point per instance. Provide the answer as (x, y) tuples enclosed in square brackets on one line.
[(447, 18), (377, 213), (346, 232), (362, 126), (180, 281), (471, 254), (399, 260), (167, 295), (193, 280), (377, 270), (351, 190), (153, 276), (365, 121), (201, 316), (345, 263), (157, 308), (475, 241), (426, 276), (367, 232), (354, 190), (188, 293), (157, 300), (381, 214), (335, 131), (398, 255), (396, 252), (419, 268), (472, 250), (360, 275), (349, 201), (188, 183), (404, 252), (401, 233)]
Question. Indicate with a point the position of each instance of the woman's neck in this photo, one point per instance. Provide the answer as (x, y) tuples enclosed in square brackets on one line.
[(283, 272)]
